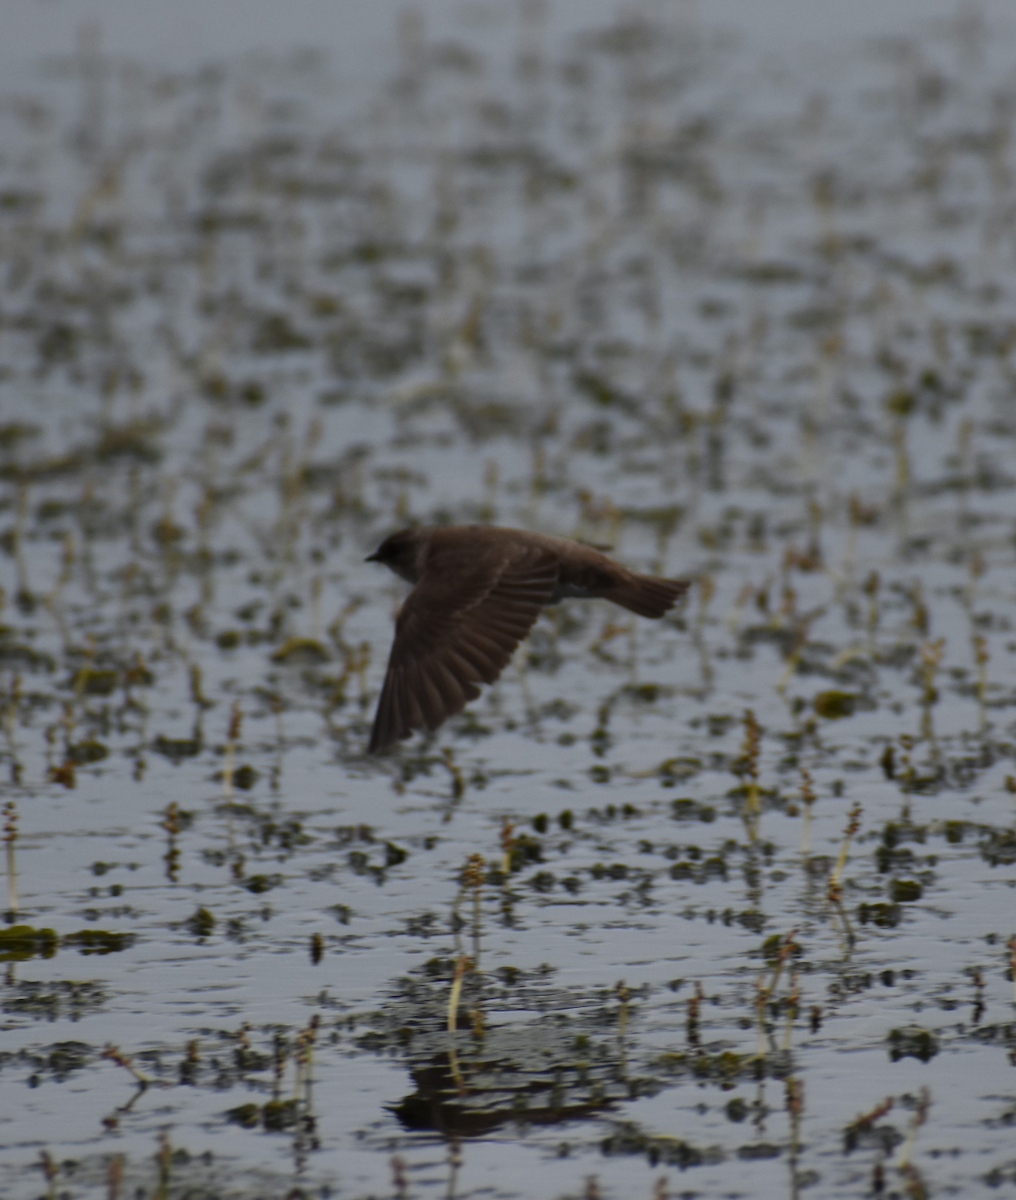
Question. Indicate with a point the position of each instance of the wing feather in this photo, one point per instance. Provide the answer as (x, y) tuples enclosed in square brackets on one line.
[(431, 702), (449, 639), (413, 708), (465, 665), (387, 725)]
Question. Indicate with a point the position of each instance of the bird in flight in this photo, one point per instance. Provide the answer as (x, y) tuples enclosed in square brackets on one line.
[(477, 591)]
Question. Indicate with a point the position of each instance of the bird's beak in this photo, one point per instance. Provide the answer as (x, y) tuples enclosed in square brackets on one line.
[(371, 558)]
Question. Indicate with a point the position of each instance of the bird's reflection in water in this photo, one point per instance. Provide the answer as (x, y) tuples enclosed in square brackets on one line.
[(471, 1097)]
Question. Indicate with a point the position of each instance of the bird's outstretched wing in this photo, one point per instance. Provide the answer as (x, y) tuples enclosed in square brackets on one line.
[(458, 628)]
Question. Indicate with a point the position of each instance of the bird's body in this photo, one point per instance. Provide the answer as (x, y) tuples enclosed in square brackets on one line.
[(477, 591)]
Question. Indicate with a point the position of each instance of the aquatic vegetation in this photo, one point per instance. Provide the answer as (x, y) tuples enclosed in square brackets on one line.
[(666, 897)]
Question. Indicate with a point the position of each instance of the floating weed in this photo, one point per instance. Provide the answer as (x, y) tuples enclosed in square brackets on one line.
[(706, 590), (171, 824), (977, 979), (853, 825), (462, 964), (18, 943), (622, 1012), (914, 1182), (201, 924), (791, 1006), (912, 1041), (507, 846), (49, 1171), (11, 708), (981, 660), (98, 941), (300, 651), (665, 1149), (303, 1057), (198, 697), (930, 660), (94, 681), (871, 587), (808, 800), (232, 736), (471, 882), (53, 999), (458, 779), (777, 951), (880, 914), (833, 704), (10, 816), (191, 1064), (163, 1159), (280, 1052), (834, 889), (525, 849), (904, 891), (733, 619), (114, 1177), (114, 1054), (693, 1005), (399, 1181), (1012, 965), (748, 769)]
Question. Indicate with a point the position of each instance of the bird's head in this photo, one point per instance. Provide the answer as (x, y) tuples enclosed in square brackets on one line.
[(400, 553)]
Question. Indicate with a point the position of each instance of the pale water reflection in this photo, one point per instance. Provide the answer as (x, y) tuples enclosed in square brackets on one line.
[(725, 900)]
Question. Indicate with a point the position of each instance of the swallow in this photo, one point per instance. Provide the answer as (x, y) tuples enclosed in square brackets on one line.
[(477, 590)]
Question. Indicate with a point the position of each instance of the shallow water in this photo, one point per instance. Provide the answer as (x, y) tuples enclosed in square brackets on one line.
[(745, 317)]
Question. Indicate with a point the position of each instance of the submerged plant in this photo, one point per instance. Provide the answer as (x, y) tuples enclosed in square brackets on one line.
[(10, 814)]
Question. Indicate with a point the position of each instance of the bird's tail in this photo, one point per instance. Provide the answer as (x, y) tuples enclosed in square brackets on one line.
[(647, 595)]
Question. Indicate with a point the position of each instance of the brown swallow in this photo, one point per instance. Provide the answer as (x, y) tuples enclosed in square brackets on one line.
[(477, 591)]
